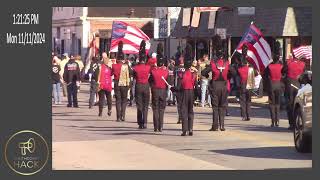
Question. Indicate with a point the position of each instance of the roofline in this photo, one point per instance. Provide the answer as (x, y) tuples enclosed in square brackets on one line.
[(119, 18)]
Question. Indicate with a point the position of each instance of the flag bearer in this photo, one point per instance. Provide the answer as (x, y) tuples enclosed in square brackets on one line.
[(142, 89), (245, 77), (122, 73)]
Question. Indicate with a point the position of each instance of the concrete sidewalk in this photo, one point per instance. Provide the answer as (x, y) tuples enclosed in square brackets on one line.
[(122, 154)]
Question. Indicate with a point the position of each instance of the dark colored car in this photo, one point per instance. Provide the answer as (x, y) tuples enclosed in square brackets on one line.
[(303, 115)]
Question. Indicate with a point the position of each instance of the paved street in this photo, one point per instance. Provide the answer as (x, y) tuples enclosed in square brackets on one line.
[(82, 140)]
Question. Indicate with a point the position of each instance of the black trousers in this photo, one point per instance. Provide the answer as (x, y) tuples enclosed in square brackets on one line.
[(187, 101), (275, 100), (219, 103), (245, 101), (72, 94), (292, 92), (158, 106), (102, 95), (93, 90), (179, 105), (121, 93), (142, 95)]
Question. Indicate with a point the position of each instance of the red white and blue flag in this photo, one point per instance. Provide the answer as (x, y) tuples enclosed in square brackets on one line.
[(130, 35), (259, 51), (303, 52)]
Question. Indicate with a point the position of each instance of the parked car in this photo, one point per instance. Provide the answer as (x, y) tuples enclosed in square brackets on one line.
[(303, 115)]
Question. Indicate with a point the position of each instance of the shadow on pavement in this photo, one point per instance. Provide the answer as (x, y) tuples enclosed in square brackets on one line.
[(84, 120), (143, 133), (259, 128), (285, 152)]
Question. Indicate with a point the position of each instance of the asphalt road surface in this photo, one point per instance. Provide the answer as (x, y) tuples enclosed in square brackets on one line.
[(82, 140)]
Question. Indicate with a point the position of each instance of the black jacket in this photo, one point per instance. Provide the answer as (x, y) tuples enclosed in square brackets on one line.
[(71, 72), (94, 70), (55, 74)]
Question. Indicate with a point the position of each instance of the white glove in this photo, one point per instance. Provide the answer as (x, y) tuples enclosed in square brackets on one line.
[(90, 76)]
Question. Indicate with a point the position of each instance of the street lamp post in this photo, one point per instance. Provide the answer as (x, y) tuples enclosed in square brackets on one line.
[(169, 31)]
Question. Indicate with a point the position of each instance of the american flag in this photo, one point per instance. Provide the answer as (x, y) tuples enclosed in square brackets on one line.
[(131, 37), (303, 51), (259, 51)]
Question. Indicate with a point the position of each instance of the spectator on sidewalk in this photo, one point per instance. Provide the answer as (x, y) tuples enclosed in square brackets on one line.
[(64, 61), (56, 79), (81, 66), (93, 77), (170, 95), (71, 77), (204, 81)]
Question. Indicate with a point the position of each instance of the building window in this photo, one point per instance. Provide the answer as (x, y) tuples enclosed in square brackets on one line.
[(62, 46), (58, 32), (79, 47)]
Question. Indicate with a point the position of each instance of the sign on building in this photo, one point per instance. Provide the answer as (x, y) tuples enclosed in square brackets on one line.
[(222, 32), (160, 28), (246, 10)]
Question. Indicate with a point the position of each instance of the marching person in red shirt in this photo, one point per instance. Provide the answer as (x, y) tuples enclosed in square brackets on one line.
[(178, 71), (159, 77), (141, 73), (292, 69), (187, 80), (273, 72), (105, 86), (220, 72), (245, 94)]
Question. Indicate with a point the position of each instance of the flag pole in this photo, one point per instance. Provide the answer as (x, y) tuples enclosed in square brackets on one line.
[(236, 48)]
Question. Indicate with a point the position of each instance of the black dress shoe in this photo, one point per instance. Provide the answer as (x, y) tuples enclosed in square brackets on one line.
[(222, 129), (190, 133), (100, 114), (160, 130), (90, 107), (122, 119), (179, 122), (272, 125), (69, 105), (155, 130), (109, 113), (76, 106), (277, 124), (118, 120), (213, 129), (248, 119), (184, 134)]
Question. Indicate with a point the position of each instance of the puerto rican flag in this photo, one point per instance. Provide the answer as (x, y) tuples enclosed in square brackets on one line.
[(131, 37), (259, 51)]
